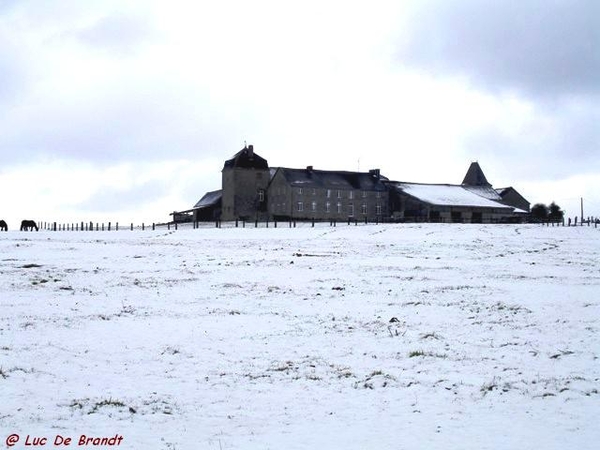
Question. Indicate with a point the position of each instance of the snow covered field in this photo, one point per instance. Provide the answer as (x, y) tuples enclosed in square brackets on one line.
[(355, 337)]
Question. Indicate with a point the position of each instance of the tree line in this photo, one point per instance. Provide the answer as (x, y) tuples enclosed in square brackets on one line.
[(552, 213)]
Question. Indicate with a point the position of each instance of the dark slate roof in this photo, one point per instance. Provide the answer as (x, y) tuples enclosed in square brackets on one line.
[(209, 199), (246, 159), (333, 179), (475, 176)]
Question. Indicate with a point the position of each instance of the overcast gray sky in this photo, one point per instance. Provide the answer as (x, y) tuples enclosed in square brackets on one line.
[(126, 110)]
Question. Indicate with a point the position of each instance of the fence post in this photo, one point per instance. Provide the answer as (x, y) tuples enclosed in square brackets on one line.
[(152, 226), (54, 226), (275, 223), (117, 226), (236, 223), (132, 226), (143, 226)]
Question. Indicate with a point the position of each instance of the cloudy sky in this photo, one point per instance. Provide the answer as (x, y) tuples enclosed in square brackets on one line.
[(126, 110)]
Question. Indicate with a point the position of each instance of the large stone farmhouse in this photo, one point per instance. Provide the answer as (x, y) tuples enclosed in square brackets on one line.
[(251, 190)]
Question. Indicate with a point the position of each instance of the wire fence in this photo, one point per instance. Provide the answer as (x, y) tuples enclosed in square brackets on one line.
[(291, 223)]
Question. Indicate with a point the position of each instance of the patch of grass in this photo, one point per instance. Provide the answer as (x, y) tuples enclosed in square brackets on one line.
[(431, 335), (171, 351), (416, 353), (106, 402)]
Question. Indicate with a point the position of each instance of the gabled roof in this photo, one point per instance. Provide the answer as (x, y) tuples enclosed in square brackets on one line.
[(334, 179), (446, 195), (475, 176), (246, 159), (209, 199)]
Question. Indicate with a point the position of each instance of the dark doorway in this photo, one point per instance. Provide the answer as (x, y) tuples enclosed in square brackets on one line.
[(456, 217)]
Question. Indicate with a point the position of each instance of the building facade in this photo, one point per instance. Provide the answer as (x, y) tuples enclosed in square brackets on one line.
[(309, 194)]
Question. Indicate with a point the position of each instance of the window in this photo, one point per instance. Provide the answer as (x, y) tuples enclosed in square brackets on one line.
[(300, 191), (378, 195), (364, 194), (339, 194), (328, 193), (378, 210), (261, 195), (350, 195), (314, 206), (300, 206), (363, 208), (328, 207), (350, 210), (339, 207), (314, 191)]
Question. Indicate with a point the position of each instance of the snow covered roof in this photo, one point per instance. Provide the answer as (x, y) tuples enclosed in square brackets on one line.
[(447, 195), (484, 191), (209, 199)]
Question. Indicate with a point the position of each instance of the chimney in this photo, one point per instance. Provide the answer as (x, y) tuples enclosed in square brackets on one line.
[(309, 168), (375, 173), (251, 151)]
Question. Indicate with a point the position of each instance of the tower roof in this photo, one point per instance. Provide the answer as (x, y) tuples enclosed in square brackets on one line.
[(246, 159), (475, 176)]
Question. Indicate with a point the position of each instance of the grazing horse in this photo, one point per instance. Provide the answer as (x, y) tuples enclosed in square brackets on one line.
[(3, 226), (29, 225)]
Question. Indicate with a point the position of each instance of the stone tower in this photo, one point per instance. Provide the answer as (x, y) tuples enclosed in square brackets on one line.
[(245, 178)]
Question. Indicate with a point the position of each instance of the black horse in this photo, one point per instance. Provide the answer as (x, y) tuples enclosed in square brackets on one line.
[(3, 226), (29, 225)]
